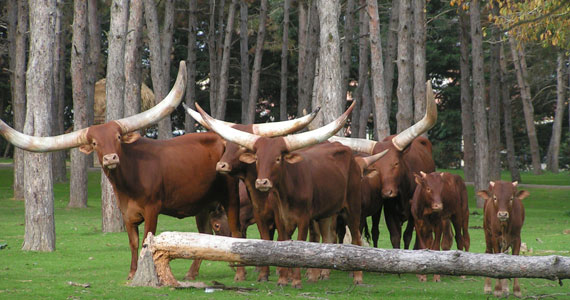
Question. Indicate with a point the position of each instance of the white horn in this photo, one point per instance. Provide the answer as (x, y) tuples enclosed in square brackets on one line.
[(305, 139), (162, 109), (368, 160), (358, 145), (405, 137), (43, 144), (263, 129), (227, 132)]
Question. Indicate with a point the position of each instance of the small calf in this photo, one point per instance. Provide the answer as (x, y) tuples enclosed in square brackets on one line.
[(504, 218), (439, 198)]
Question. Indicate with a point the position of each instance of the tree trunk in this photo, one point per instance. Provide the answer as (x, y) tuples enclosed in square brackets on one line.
[(479, 103), (59, 167), (115, 89), (212, 57), (189, 122), (466, 100), (528, 109), (365, 109), (79, 55), (382, 121), (254, 90), (19, 96), (170, 245), (494, 125), (346, 53), (558, 115), (307, 81), (391, 47), (12, 20), (284, 51), (419, 60), (94, 62), (38, 187), (133, 69), (508, 123), (160, 45), (244, 58), (303, 29), (225, 67), (328, 94), (359, 121), (405, 71)]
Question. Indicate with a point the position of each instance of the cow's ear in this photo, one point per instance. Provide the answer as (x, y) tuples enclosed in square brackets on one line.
[(370, 173), (418, 178), (130, 137), (293, 158), (248, 158), (86, 148), (484, 194), (522, 194)]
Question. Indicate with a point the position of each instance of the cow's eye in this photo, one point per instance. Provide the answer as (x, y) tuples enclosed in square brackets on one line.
[(428, 190), (94, 143), (278, 159), (119, 137), (396, 164)]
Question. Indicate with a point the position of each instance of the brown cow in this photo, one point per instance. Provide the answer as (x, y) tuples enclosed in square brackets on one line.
[(312, 183), (410, 153), (503, 221), (439, 198), (230, 164), (176, 177)]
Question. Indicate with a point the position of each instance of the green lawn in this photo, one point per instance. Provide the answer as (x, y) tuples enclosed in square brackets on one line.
[(527, 177), (85, 255)]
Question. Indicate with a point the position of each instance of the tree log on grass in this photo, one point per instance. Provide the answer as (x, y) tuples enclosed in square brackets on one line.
[(172, 245)]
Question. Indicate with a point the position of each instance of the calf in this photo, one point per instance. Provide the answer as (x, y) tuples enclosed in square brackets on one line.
[(439, 198), (504, 218)]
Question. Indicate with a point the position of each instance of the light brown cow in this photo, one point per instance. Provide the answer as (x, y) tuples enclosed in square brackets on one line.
[(439, 198), (504, 218)]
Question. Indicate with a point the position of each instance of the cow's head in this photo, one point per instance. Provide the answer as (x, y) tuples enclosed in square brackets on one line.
[(105, 139), (271, 153), (219, 221), (230, 160), (391, 168), (501, 195), (432, 186)]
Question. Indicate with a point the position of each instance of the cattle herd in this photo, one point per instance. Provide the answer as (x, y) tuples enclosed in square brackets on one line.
[(313, 182)]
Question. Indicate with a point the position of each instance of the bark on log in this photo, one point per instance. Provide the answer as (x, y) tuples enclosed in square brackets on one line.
[(172, 245)]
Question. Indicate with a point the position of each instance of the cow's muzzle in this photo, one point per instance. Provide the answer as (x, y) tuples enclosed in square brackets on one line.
[(263, 185), (503, 216), (389, 193), (223, 167), (437, 207), (110, 161)]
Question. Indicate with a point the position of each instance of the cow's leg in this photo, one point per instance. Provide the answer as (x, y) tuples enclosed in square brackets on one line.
[(328, 231), (458, 226), (375, 227), (393, 223), (203, 225), (354, 227), (489, 250), (282, 235), (408, 232), (302, 232), (133, 233), (516, 251), (314, 236), (231, 205), (265, 234)]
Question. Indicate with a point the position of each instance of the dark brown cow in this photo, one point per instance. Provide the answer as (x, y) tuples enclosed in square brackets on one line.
[(409, 153), (313, 183), (439, 198), (503, 221), (230, 164), (176, 177)]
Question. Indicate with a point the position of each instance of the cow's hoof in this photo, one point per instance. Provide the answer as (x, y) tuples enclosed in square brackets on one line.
[(517, 294), (296, 283), (313, 275), (189, 277), (436, 278), (262, 277), (282, 281), (325, 274), (422, 277), (240, 276), (498, 293), (131, 275)]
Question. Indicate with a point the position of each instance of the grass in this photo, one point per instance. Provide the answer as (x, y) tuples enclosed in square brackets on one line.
[(85, 255), (527, 177)]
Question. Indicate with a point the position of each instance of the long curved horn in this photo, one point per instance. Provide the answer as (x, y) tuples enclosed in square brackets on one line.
[(358, 145), (227, 132), (305, 139), (365, 162), (405, 137), (162, 109), (264, 129), (43, 144)]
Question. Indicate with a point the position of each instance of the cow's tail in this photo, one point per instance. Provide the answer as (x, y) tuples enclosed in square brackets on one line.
[(366, 232)]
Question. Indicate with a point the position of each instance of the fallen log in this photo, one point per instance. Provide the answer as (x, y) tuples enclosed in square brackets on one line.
[(172, 245)]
